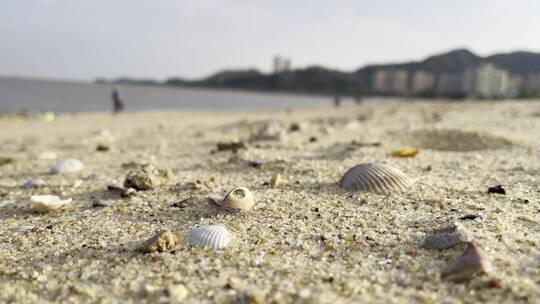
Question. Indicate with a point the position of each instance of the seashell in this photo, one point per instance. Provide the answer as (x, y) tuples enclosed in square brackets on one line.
[(374, 177), (471, 262), (46, 203), (161, 242), (34, 183), (69, 165), (213, 236), (448, 237), (239, 198), (48, 155)]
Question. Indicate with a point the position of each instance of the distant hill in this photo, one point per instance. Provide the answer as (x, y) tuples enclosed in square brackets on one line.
[(320, 80)]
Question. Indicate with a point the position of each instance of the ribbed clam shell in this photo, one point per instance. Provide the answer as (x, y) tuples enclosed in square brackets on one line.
[(69, 165), (448, 237), (239, 198), (374, 177), (213, 236)]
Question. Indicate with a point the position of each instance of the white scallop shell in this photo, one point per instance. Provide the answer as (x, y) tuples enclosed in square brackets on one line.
[(374, 177), (46, 203), (213, 236), (447, 237), (239, 198), (69, 165)]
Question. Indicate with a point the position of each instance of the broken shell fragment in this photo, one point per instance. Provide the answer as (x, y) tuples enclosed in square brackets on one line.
[(162, 241), (69, 165), (275, 180), (470, 263), (239, 198), (374, 177), (448, 237), (213, 236), (46, 203)]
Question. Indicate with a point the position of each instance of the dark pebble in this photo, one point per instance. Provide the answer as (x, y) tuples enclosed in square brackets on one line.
[(470, 217), (497, 189)]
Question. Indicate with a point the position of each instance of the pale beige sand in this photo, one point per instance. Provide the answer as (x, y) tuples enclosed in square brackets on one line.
[(306, 241)]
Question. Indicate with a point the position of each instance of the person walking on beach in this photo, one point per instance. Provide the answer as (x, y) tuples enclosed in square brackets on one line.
[(118, 103)]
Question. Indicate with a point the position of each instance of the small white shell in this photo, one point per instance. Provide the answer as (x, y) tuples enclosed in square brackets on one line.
[(69, 165), (447, 237), (46, 203), (213, 236), (239, 198), (374, 177)]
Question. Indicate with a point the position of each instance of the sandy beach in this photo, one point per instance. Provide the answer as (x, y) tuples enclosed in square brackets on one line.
[(306, 240)]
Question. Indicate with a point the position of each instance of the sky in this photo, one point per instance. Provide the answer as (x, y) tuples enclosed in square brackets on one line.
[(85, 39)]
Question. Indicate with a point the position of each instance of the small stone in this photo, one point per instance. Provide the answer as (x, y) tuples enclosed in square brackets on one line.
[(275, 180), (270, 131), (6, 160), (232, 146), (128, 192), (145, 178), (139, 180), (101, 203), (470, 217), (177, 293), (313, 139), (250, 295), (497, 189), (161, 242), (34, 183), (102, 147), (184, 203)]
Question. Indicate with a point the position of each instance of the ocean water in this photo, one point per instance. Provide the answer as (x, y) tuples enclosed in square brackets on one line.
[(18, 95)]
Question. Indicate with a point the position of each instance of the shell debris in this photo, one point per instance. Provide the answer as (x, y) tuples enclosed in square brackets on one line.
[(46, 203), (473, 261), (275, 180)]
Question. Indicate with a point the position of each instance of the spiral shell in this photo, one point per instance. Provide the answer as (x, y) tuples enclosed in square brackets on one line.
[(213, 236), (374, 177), (239, 198), (69, 165)]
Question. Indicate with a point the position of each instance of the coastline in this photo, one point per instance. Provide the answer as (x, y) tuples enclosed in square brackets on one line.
[(306, 240)]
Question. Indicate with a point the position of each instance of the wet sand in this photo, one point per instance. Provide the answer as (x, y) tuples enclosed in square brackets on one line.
[(306, 240)]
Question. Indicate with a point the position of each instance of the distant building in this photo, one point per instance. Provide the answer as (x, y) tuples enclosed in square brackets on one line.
[(449, 84), (532, 84), (281, 64), (389, 81), (488, 81), (422, 82)]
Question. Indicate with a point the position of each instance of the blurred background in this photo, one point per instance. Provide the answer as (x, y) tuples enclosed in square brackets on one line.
[(72, 56)]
